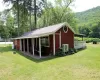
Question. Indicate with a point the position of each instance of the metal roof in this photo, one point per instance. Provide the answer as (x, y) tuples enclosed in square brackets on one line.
[(79, 35), (44, 31)]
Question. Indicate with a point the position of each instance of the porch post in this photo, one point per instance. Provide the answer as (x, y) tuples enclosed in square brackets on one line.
[(60, 39), (20, 45), (36, 42), (24, 45), (40, 47), (54, 44), (27, 46), (33, 45)]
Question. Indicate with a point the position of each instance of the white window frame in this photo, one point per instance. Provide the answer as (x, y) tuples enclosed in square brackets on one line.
[(48, 41)]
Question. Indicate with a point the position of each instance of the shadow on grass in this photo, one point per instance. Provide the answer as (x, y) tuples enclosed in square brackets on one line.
[(8, 48), (34, 59), (45, 59)]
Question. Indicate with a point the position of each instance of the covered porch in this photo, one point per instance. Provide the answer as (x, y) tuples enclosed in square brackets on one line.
[(38, 47)]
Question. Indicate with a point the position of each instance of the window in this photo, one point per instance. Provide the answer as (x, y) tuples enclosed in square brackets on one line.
[(45, 41), (65, 29)]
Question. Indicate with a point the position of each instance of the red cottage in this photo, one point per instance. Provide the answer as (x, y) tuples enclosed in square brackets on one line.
[(45, 41)]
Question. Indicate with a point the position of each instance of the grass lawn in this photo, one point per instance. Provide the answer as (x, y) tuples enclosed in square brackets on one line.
[(84, 65)]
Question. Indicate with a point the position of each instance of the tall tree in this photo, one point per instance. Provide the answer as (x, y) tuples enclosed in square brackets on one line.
[(58, 13)]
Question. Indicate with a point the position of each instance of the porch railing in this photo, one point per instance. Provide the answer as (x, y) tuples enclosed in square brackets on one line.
[(79, 44)]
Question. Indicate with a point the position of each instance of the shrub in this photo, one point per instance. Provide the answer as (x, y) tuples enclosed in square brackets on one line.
[(88, 40), (60, 53), (75, 50), (94, 42), (72, 51)]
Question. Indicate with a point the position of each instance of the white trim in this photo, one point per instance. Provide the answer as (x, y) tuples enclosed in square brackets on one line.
[(27, 46), (60, 39), (36, 42), (48, 41), (24, 45), (64, 30), (57, 33), (54, 44), (33, 45), (47, 33), (40, 47), (35, 36), (20, 45)]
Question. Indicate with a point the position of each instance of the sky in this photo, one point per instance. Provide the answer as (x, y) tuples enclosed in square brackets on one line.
[(78, 5), (82, 5), (3, 6)]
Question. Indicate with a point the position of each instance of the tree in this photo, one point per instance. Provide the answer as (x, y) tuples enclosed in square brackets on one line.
[(23, 9), (57, 14), (85, 30), (96, 31), (29, 14)]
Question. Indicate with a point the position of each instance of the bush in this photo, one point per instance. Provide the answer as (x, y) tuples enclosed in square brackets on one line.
[(94, 42), (72, 51), (75, 50), (88, 40), (60, 53)]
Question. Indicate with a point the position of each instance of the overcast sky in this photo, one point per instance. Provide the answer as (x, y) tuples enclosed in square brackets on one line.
[(79, 5), (82, 5)]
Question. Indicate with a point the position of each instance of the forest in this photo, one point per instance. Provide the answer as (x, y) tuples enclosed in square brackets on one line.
[(27, 15), (89, 22)]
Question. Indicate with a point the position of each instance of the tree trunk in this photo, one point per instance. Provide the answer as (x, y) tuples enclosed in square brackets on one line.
[(35, 16), (30, 15), (18, 16)]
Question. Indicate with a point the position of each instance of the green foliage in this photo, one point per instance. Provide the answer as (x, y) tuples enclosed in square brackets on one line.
[(88, 40), (89, 22), (85, 30), (60, 53), (57, 14), (7, 29), (4, 32), (25, 14), (89, 17)]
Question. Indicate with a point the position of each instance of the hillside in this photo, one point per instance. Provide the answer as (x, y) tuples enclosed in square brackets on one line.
[(89, 17)]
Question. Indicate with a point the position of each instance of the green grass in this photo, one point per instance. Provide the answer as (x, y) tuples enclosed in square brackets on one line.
[(84, 65)]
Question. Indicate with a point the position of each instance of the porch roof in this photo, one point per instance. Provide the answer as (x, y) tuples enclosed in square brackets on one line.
[(79, 35), (44, 31)]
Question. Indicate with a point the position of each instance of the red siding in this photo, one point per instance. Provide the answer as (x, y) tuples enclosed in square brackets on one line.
[(57, 45), (49, 49), (66, 38), (17, 44)]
